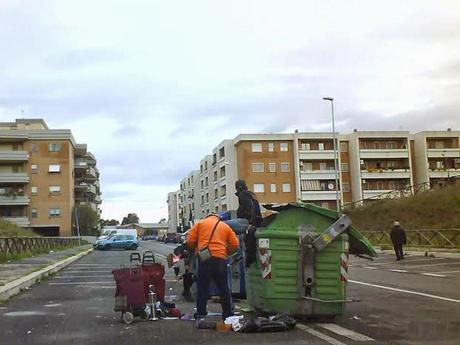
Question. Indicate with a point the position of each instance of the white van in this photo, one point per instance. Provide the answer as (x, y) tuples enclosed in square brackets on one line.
[(110, 232)]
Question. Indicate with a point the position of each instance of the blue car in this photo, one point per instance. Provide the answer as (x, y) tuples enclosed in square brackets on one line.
[(117, 241)]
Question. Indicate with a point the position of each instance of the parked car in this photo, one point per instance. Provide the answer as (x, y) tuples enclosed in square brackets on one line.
[(149, 238), (171, 238), (111, 232), (117, 241), (161, 238)]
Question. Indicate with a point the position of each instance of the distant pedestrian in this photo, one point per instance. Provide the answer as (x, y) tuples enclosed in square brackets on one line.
[(398, 237)]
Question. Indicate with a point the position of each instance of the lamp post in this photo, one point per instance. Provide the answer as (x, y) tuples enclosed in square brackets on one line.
[(335, 154)]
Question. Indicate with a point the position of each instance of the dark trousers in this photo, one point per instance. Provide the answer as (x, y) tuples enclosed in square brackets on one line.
[(399, 251), (213, 269)]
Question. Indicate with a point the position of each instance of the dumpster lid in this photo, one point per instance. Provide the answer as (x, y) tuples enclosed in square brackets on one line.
[(359, 244)]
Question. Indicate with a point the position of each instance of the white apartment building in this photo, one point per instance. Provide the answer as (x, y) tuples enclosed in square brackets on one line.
[(173, 210), (437, 156), (380, 162), (189, 202)]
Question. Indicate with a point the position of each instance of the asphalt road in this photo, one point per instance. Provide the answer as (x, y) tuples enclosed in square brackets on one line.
[(415, 301)]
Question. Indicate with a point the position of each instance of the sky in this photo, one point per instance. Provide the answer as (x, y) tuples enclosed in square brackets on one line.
[(153, 86)]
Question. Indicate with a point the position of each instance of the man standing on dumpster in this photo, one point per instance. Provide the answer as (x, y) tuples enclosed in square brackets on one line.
[(213, 235), (398, 237)]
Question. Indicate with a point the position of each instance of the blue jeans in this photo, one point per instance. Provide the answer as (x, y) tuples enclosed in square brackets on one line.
[(213, 269)]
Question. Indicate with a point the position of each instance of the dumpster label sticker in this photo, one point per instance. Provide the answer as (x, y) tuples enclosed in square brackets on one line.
[(264, 243), (326, 238), (265, 257)]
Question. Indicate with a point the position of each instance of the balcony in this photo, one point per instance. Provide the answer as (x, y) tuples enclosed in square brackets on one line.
[(83, 187), (446, 173), (14, 178), (90, 204), (318, 175), (80, 164), (14, 200), (383, 153), (91, 172), (376, 194), (386, 174), (13, 136), (14, 156), (444, 153), (319, 195), (316, 154), (19, 221)]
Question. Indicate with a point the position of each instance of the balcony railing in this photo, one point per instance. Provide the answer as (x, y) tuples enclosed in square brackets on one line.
[(14, 200), (14, 156), (319, 195), (443, 173), (14, 178), (385, 174), (318, 175), (376, 193), (316, 154), (383, 153), (444, 153)]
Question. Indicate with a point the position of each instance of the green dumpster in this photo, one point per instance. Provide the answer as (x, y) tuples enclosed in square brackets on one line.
[(302, 261)]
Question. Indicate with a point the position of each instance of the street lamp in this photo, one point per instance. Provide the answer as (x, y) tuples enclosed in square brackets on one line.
[(337, 200)]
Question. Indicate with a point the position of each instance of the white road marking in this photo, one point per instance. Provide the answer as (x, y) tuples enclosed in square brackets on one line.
[(345, 332), (93, 265), (433, 275), (371, 267), (93, 276), (52, 305), (457, 271), (79, 271), (426, 265), (79, 283), (406, 291), (406, 261), (320, 335), (399, 271)]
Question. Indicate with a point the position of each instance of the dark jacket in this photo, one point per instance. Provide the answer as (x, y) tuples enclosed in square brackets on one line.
[(248, 207), (398, 235)]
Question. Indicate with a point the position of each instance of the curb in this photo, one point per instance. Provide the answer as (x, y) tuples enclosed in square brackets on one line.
[(433, 253), (16, 286)]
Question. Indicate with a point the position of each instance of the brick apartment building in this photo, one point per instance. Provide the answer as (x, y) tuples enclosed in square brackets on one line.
[(44, 173)]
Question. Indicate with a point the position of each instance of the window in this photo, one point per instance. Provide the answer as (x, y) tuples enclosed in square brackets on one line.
[(55, 189), (54, 147), (343, 147), (54, 212), (34, 213), (259, 188), (222, 171), (272, 167), (283, 147), (222, 152), (202, 184), (285, 167), (271, 147), (258, 167), (391, 145), (223, 190), (344, 167), (206, 181), (202, 199), (321, 146), (256, 147), (216, 193), (34, 190), (54, 168), (345, 187), (322, 166), (34, 148), (286, 187), (392, 185), (379, 186), (377, 145), (214, 158), (224, 207), (306, 147), (207, 197), (273, 188), (215, 175)]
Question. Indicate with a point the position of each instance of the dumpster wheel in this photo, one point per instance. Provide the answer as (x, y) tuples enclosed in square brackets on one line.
[(127, 317)]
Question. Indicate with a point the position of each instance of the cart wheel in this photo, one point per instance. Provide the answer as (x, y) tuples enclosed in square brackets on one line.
[(127, 317)]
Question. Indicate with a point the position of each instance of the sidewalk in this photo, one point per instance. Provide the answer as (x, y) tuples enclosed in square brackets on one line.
[(19, 274), (433, 252)]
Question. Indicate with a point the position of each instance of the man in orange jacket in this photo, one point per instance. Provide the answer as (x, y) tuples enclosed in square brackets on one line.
[(221, 241)]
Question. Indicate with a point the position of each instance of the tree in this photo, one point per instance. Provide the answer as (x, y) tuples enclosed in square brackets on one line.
[(87, 220), (111, 222), (130, 219), (162, 221)]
